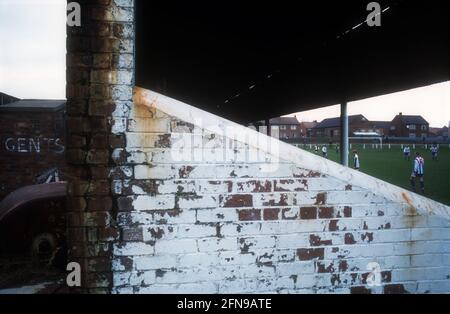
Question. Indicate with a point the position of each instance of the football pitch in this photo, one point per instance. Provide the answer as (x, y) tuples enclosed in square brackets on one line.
[(389, 165)]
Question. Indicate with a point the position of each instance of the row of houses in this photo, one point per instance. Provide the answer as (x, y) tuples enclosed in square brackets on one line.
[(411, 126)]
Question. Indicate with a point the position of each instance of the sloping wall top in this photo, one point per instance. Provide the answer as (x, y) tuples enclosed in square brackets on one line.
[(284, 151)]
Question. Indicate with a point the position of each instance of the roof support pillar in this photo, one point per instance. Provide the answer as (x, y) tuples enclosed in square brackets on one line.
[(344, 134), (269, 131)]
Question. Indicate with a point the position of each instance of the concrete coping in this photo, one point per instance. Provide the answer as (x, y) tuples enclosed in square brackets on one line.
[(290, 153)]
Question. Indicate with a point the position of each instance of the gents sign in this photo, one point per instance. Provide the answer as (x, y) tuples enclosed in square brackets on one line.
[(30, 145)]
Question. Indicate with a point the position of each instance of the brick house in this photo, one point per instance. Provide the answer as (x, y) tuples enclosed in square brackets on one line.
[(381, 127), (288, 127), (409, 126), (306, 128), (331, 127), (438, 131)]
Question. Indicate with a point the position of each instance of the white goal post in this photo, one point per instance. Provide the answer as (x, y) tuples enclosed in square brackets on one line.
[(379, 138)]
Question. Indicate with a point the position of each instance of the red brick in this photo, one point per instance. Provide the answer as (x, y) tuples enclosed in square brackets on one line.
[(360, 290), (349, 239), (332, 226), (308, 213), (293, 183), (326, 212), (321, 198), (108, 234), (310, 254), (394, 289), (237, 200), (249, 214), (322, 268), (258, 186), (347, 211), (315, 240), (271, 213)]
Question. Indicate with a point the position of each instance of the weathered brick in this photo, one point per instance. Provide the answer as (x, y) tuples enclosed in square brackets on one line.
[(309, 254), (133, 248), (360, 290), (144, 202), (271, 213), (290, 185), (217, 244), (249, 244), (315, 240), (254, 186), (99, 203), (347, 211), (132, 235), (197, 201), (292, 240), (236, 200), (290, 213), (326, 212), (177, 246), (308, 212), (249, 214), (155, 262)]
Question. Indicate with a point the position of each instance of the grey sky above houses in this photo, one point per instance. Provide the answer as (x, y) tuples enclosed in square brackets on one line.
[(432, 102), (32, 65)]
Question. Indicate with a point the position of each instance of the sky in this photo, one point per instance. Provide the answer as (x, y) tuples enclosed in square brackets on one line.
[(32, 65), (32, 48), (432, 102)]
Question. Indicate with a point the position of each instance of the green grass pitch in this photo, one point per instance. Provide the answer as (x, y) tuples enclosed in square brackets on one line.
[(389, 165)]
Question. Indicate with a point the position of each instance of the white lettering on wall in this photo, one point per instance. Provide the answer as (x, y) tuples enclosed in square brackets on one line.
[(30, 145)]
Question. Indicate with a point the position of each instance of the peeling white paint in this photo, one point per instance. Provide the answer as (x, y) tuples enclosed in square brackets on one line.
[(290, 153)]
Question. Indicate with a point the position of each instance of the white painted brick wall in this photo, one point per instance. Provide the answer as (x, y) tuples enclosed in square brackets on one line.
[(176, 246), (217, 225), (155, 262), (217, 244)]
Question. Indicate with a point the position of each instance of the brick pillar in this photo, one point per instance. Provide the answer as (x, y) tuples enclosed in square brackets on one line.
[(100, 77)]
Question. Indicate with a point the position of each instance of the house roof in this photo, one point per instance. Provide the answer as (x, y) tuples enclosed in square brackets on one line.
[(34, 105), (284, 120), (6, 99), (381, 124), (336, 122), (309, 125), (439, 131), (410, 119), (434, 130)]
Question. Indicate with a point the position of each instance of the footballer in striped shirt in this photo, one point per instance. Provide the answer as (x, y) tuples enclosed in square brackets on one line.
[(418, 172)]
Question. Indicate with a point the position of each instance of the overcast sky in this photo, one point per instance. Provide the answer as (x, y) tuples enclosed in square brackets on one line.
[(432, 102), (32, 65), (32, 48)]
